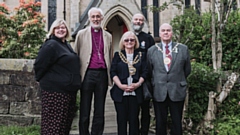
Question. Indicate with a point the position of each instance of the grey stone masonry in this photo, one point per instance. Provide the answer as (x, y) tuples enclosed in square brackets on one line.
[(19, 93)]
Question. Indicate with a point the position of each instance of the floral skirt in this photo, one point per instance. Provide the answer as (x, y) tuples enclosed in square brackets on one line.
[(58, 111)]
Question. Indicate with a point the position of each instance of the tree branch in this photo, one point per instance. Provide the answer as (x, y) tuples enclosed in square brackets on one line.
[(227, 14), (227, 87)]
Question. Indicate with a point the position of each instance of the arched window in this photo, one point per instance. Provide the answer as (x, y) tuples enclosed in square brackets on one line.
[(187, 3), (198, 6), (52, 5)]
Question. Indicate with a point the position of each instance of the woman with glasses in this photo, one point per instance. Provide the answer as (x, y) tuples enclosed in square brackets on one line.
[(128, 71), (57, 71)]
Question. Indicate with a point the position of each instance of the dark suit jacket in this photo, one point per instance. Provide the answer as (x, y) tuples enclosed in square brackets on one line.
[(120, 69), (174, 81)]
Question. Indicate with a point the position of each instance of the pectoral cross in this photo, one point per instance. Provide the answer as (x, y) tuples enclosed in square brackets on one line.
[(99, 55)]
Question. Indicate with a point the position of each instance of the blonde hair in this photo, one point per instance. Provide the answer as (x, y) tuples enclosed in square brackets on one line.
[(126, 34), (57, 23)]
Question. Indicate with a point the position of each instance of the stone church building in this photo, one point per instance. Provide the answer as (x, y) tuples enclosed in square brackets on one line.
[(20, 96), (118, 13)]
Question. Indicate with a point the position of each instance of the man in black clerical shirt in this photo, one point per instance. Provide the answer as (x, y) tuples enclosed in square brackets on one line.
[(145, 42)]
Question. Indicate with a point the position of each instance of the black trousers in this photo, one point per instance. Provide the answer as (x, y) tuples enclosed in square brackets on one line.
[(127, 113), (145, 117), (94, 84), (161, 113)]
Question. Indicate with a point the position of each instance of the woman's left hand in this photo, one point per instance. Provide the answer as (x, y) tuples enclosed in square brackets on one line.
[(134, 86)]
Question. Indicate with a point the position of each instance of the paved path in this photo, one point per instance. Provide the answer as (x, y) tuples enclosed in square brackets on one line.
[(110, 119)]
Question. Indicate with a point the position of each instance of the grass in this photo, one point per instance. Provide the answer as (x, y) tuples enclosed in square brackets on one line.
[(20, 130)]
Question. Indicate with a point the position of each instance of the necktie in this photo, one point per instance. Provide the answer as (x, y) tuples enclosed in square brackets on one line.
[(168, 55)]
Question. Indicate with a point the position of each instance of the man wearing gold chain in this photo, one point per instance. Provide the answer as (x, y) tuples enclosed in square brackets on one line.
[(169, 66), (94, 48)]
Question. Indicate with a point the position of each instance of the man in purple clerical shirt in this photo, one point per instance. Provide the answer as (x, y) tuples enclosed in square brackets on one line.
[(94, 48)]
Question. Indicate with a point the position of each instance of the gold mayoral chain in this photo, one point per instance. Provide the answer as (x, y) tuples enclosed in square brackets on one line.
[(167, 60), (131, 68)]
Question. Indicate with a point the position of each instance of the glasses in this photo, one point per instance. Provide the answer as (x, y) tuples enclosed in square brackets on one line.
[(58, 28), (127, 40), (95, 16)]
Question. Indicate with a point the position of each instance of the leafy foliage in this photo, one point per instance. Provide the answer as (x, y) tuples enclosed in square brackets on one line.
[(194, 30), (164, 6), (231, 43), (229, 125), (201, 81), (228, 114), (22, 30)]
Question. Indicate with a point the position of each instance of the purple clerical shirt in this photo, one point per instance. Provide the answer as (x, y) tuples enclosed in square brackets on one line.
[(97, 58)]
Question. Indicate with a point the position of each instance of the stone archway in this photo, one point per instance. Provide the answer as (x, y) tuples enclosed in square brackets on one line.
[(114, 21), (110, 24), (121, 11), (126, 14)]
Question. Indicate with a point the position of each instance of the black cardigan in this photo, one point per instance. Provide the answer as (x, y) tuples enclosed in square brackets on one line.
[(57, 67)]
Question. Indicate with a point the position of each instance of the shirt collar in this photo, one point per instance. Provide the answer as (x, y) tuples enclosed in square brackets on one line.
[(169, 45)]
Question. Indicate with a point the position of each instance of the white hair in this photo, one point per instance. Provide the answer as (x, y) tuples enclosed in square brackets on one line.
[(95, 9)]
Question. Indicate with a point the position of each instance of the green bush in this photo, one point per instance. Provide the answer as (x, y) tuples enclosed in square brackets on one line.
[(228, 125), (228, 114), (231, 43), (21, 30), (194, 30), (201, 81)]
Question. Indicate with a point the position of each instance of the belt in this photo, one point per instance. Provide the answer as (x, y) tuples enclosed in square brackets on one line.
[(97, 69)]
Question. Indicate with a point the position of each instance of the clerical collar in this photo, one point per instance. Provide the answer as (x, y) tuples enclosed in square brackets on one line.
[(95, 30), (136, 33)]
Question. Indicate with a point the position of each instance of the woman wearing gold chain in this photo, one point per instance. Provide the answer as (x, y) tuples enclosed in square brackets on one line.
[(128, 71)]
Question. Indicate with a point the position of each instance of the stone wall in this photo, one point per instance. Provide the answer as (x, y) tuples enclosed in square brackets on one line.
[(19, 93)]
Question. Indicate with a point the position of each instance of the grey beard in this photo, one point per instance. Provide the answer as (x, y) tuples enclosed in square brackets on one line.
[(95, 26), (137, 28)]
